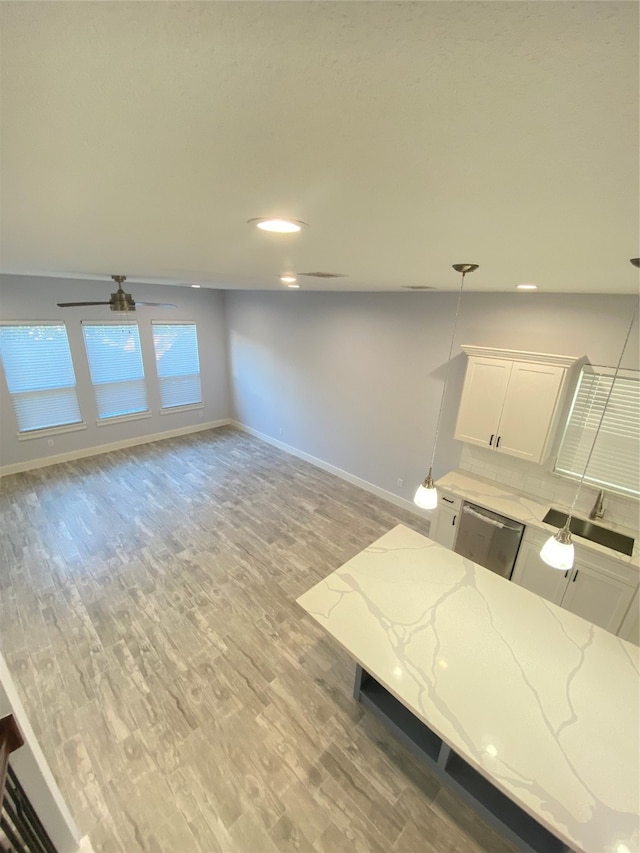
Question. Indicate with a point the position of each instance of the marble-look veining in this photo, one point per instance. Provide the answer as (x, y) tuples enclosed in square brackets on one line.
[(526, 509), (541, 702)]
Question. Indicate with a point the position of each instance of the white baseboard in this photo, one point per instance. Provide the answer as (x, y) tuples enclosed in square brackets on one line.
[(44, 461), (409, 506)]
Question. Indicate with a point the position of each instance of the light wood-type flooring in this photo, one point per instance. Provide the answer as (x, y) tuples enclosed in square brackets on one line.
[(182, 698)]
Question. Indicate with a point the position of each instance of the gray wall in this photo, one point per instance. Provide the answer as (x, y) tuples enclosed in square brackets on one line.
[(33, 299), (352, 379), (356, 379)]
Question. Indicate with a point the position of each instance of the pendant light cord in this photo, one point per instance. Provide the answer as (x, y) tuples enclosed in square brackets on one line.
[(446, 375), (604, 409)]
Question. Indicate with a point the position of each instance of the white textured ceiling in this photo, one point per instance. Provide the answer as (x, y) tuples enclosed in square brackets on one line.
[(138, 137)]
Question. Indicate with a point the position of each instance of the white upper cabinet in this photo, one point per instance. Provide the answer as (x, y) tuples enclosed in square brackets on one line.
[(485, 387), (511, 400), (529, 408)]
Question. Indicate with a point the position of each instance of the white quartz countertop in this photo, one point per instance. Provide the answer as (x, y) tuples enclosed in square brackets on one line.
[(526, 509), (541, 702)]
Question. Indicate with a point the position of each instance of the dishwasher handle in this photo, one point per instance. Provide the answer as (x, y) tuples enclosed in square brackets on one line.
[(488, 519)]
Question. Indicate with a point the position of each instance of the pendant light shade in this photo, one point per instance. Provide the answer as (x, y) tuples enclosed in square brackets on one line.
[(558, 550), (426, 496)]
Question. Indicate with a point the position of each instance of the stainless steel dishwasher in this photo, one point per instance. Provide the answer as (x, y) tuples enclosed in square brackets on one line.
[(489, 539)]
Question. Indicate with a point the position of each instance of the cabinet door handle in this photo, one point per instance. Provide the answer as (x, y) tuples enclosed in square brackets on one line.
[(453, 523), (575, 576), (498, 441), (566, 574), (491, 439), (448, 500)]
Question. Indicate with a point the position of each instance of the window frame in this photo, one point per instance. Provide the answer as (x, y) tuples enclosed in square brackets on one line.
[(589, 409), (104, 420), (53, 429), (177, 407)]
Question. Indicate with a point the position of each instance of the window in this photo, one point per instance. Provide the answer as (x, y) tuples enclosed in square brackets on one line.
[(176, 346), (615, 461), (39, 373), (117, 374)]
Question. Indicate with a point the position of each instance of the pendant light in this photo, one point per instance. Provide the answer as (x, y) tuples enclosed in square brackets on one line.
[(426, 496), (558, 550)]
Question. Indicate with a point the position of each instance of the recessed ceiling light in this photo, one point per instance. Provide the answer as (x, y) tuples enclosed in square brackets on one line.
[(293, 286), (278, 225), (527, 287), (288, 279), (194, 285)]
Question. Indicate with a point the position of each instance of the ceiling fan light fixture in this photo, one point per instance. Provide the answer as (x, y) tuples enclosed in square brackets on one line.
[(288, 278), (120, 301), (278, 225)]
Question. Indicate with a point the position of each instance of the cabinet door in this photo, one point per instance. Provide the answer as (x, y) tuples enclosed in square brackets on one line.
[(529, 407), (444, 528), (630, 627), (596, 597), (483, 395), (534, 574)]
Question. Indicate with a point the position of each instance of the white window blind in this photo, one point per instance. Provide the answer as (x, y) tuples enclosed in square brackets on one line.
[(177, 363), (615, 462), (39, 373), (115, 363)]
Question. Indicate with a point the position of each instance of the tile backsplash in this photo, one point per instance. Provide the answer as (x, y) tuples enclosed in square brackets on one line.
[(539, 481)]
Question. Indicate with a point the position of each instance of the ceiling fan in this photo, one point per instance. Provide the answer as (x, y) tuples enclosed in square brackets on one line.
[(120, 301)]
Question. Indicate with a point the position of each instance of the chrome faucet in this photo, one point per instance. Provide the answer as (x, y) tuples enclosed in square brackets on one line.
[(598, 507)]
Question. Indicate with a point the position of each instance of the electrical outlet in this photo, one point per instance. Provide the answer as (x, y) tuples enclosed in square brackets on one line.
[(199, 414), (50, 442), (400, 482)]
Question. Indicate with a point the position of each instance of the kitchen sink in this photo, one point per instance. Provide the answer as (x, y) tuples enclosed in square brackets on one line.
[(589, 530)]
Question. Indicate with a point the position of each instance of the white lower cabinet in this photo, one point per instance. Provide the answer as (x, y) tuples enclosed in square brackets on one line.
[(598, 588), (630, 628), (532, 573), (444, 524), (596, 597)]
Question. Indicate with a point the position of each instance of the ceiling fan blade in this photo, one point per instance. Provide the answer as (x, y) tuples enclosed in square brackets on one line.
[(158, 304), (76, 304)]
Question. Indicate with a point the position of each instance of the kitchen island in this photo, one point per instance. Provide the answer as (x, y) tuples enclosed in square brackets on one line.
[(524, 708)]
